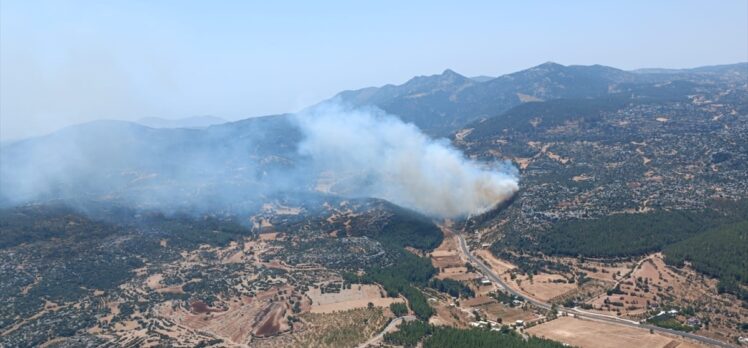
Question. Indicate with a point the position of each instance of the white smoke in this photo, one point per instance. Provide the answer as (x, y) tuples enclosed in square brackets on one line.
[(238, 167), (395, 161)]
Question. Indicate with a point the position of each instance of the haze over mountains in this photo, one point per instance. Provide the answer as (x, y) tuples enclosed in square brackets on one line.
[(187, 122), (181, 160)]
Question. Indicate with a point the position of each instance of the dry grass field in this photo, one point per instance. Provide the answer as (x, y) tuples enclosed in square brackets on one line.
[(495, 310), (497, 265), (239, 321), (447, 255), (644, 287), (342, 329), (358, 296), (652, 283), (543, 287), (448, 259), (448, 315), (594, 334)]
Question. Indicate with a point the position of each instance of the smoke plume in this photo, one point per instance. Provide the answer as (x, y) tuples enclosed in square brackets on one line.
[(393, 160), (239, 166)]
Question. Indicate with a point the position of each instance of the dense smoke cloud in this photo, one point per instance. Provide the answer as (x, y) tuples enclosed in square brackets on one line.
[(390, 159), (240, 166)]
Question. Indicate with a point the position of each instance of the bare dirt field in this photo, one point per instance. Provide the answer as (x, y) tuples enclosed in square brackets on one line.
[(598, 270), (447, 272), (507, 314), (653, 284), (497, 265), (358, 296), (633, 289), (477, 301), (466, 277), (447, 315), (447, 255), (238, 320), (449, 260), (649, 281), (593, 334), (544, 286), (341, 329), (268, 236), (154, 281)]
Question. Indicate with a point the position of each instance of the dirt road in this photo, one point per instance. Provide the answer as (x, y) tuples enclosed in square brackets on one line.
[(389, 328)]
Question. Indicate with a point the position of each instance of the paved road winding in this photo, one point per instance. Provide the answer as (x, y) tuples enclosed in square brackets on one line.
[(488, 272)]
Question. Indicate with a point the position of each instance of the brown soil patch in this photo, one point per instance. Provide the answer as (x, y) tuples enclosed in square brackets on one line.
[(523, 163), (154, 281), (654, 286), (453, 273), (508, 315), (261, 316), (462, 133), (557, 158), (176, 289), (545, 286), (448, 315), (269, 320), (525, 98), (477, 301), (201, 307), (358, 296), (268, 236), (497, 266), (447, 254), (644, 286), (341, 329), (593, 334)]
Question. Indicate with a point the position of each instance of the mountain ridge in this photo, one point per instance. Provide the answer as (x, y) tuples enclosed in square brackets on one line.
[(442, 103), (184, 122)]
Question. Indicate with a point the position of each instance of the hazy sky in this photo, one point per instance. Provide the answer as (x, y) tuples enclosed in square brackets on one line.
[(64, 62)]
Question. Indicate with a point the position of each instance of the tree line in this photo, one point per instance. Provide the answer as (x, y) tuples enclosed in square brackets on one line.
[(411, 333)]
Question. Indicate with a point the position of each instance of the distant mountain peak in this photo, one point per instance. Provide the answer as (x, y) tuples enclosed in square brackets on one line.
[(450, 75), (550, 65), (447, 74), (447, 79)]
